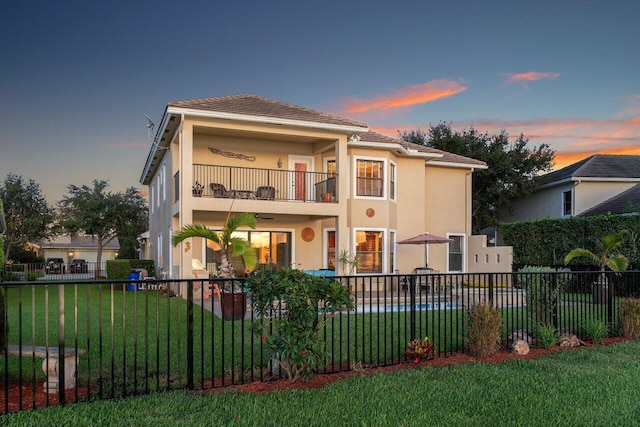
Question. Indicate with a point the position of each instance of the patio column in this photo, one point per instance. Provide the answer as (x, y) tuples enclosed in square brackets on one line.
[(186, 200), (342, 185)]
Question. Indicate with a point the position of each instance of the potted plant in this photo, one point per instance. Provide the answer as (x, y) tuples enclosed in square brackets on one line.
[(233, 298), (197, 189), (608, 258)]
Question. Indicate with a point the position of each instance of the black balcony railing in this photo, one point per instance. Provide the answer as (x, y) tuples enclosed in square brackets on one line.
[(123, 338), (264, 184)]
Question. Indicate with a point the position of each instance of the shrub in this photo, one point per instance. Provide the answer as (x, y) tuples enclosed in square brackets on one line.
[(485, 327), (595, 329), (293, 308), (118, 269), (630, 318), (547, 335), (542, 288)]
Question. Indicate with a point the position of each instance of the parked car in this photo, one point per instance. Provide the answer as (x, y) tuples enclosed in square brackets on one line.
[(78, 266), (54, 266)]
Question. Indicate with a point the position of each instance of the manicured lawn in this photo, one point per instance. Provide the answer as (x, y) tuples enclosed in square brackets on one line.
[(590, 386)]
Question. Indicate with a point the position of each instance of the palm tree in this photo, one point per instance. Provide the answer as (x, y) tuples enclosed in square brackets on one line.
[(608, 258), (229, 245)]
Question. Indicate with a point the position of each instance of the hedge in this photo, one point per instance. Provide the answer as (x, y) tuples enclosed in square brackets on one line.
[(547, 241)]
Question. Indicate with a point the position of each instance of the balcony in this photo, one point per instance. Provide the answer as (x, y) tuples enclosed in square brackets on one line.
[(265, 184)]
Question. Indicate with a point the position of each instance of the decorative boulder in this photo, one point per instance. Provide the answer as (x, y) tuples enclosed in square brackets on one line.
[(521, 335), (520, 347), (570, 341)]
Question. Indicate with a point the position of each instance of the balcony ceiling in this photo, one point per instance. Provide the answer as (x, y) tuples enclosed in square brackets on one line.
[(239, 133)]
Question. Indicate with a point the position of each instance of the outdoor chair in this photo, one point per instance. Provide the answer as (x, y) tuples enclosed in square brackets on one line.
[(218, 190), (265, 192)]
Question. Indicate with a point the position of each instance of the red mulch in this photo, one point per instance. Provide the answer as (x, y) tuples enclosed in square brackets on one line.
[(42, 399), (320, 380)]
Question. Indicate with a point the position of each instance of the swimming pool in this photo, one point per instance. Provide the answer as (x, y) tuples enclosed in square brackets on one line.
[(395, 308)]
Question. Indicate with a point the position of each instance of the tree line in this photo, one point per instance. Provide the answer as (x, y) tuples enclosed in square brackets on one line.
[(89, 210)]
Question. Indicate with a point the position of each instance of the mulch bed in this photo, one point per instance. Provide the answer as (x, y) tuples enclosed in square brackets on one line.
[(42, 399), (320, 380)]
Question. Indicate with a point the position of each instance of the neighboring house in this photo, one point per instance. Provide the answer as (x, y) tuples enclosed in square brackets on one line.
[(318, 184), (578, 188), (627, 202), (78, 247)]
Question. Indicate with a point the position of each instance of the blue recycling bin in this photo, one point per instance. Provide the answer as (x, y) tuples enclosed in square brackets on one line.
[(134, 275)]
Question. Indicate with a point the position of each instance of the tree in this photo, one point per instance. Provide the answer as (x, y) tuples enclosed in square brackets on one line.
[(102, 214), (512, 166), (28, 217), (230, 245), (609, 257)]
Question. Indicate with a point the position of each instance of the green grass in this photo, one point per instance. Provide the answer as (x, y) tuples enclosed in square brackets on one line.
[(591, 386)]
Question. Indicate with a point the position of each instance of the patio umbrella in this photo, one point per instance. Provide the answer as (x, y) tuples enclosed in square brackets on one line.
[(426, 239)]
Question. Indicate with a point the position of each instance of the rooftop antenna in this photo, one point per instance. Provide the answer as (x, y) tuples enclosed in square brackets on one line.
[(150, 126)]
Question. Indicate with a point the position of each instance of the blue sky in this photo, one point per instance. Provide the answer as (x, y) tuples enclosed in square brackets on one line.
[(78, 77)]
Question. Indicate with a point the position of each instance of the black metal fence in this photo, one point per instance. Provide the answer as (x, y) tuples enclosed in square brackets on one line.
[(124, 338)]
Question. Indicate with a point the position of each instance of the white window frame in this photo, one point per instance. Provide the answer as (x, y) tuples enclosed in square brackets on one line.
[(325, 249), (464, 255), (163, 180), (385, 245), (562, 209), (393, 177), (151, 193), (384, 174)]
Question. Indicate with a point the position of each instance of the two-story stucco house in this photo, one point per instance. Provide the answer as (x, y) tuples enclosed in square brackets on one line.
[(317, 184), (576, 189)]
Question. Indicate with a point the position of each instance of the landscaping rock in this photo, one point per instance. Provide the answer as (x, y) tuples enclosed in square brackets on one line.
[(520, 347), (570, 341), (521, 335)]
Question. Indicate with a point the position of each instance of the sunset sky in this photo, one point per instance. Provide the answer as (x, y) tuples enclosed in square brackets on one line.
[(77, 78)]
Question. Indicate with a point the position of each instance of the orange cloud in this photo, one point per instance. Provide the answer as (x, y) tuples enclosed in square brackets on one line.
[(406, 96), (573, 139), (531, 76)]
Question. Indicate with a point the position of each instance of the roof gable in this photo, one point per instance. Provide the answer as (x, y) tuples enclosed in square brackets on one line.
[(596, 166)]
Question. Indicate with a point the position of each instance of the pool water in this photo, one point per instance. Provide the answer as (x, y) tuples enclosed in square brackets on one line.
[(394, 308)]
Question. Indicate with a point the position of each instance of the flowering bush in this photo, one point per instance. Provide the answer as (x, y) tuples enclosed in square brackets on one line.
[(420, 349), (293, 308)]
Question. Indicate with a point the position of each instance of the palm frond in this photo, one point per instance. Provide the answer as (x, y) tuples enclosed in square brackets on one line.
[(195, 230), (582, 253)]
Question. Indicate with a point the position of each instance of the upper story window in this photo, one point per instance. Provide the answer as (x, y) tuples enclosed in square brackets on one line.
[(369, 178), (392, 181), (566, 203)]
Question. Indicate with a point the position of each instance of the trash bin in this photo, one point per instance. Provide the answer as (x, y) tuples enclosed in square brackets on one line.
[(134, 275), (600, 291)]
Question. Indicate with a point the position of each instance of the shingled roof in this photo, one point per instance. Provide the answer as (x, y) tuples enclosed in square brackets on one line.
[(596, 166), (252, 105), (618, 204), (439, 155)]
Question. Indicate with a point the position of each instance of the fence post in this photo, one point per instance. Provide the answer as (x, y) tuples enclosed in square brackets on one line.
[(61, 373), (491, 289), (190, 334), (612, 294), (412, 309)]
